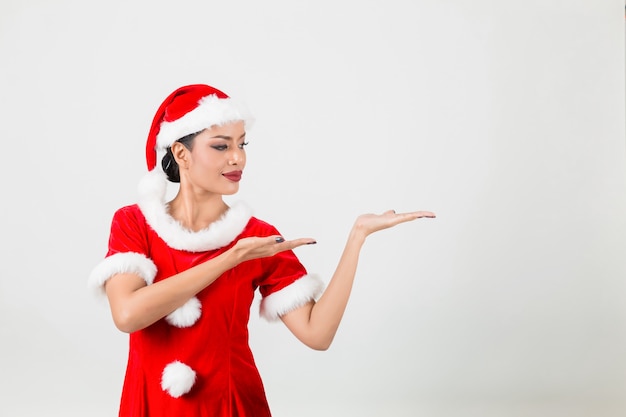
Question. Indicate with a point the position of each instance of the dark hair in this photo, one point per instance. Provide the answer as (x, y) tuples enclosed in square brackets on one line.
[(169, 164)]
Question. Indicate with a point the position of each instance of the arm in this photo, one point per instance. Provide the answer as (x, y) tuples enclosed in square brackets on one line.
[(135, 305), (316, 323)]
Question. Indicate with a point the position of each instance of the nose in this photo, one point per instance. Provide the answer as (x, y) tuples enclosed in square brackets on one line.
[(236, 157)]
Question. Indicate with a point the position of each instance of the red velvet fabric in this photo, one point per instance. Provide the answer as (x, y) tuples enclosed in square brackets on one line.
[(216, 346)]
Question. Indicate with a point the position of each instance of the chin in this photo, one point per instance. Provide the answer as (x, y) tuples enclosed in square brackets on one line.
[(231, 191)]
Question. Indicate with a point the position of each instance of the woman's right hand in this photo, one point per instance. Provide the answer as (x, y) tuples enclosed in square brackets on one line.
[(261, 247)]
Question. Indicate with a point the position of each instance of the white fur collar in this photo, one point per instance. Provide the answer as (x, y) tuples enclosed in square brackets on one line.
[(152, 188)]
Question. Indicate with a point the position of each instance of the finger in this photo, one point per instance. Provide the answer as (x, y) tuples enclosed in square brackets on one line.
[(417, 214), (407, 217), (271, 240), (428, 214), (265, 241), (279, 240), (292, 244)]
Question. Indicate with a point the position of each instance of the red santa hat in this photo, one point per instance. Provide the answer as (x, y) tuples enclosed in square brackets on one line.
[(188, 110)]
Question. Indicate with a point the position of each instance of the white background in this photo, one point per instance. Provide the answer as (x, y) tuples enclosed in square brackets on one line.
[(505, 118)]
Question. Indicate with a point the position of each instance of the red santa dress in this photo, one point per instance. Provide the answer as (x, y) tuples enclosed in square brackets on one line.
[(196, 362)]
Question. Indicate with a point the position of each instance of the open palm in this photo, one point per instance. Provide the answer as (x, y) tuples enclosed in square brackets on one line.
[(370, 223)]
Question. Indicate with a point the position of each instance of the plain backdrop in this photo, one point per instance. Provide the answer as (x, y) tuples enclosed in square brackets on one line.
[(505, 118)]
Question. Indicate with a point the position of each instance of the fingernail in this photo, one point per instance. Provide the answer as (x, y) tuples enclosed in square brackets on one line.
[(312, 243), (280, 239)]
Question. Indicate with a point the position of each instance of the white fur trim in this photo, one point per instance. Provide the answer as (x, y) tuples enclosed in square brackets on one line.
[(177, 379), (185, 315), (119, 263), (211, 111), (152, 190), (153, 187), (295, 295)]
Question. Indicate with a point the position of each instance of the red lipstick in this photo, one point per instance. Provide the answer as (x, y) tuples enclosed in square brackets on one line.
[(234, 176)]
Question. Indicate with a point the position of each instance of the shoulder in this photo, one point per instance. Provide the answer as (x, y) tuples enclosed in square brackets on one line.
[(129, 216), (256, 222), (129, 211), (259, 227)]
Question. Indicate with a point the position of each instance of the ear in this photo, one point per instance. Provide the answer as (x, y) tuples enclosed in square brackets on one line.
[(180, 153)]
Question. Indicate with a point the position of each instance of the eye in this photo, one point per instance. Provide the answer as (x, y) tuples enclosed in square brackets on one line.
[(219, 147), (241, 146)]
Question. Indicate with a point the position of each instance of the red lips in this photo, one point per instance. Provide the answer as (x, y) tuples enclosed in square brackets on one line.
[(233, 175)]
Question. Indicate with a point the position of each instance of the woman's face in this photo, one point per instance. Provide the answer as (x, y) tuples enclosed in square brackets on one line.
[(217, 159)]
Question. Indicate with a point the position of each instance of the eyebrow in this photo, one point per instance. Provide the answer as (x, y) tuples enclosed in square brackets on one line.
[(225, 137)]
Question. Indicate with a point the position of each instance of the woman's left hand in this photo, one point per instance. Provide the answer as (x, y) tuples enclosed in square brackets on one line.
[(370, 223)]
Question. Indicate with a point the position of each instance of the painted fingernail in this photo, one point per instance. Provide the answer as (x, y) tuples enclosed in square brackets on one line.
[(280, 239), (312, 243)]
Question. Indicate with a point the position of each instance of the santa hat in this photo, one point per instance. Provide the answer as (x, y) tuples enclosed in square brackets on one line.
[(189, 109)]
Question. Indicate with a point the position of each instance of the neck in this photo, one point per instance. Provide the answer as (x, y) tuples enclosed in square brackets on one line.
[(196, 211)]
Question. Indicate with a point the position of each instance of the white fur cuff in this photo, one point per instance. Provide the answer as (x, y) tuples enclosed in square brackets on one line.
[(122, 263), (295, 295)]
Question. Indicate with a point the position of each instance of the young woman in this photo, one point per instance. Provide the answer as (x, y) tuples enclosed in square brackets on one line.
[(180, 276)]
